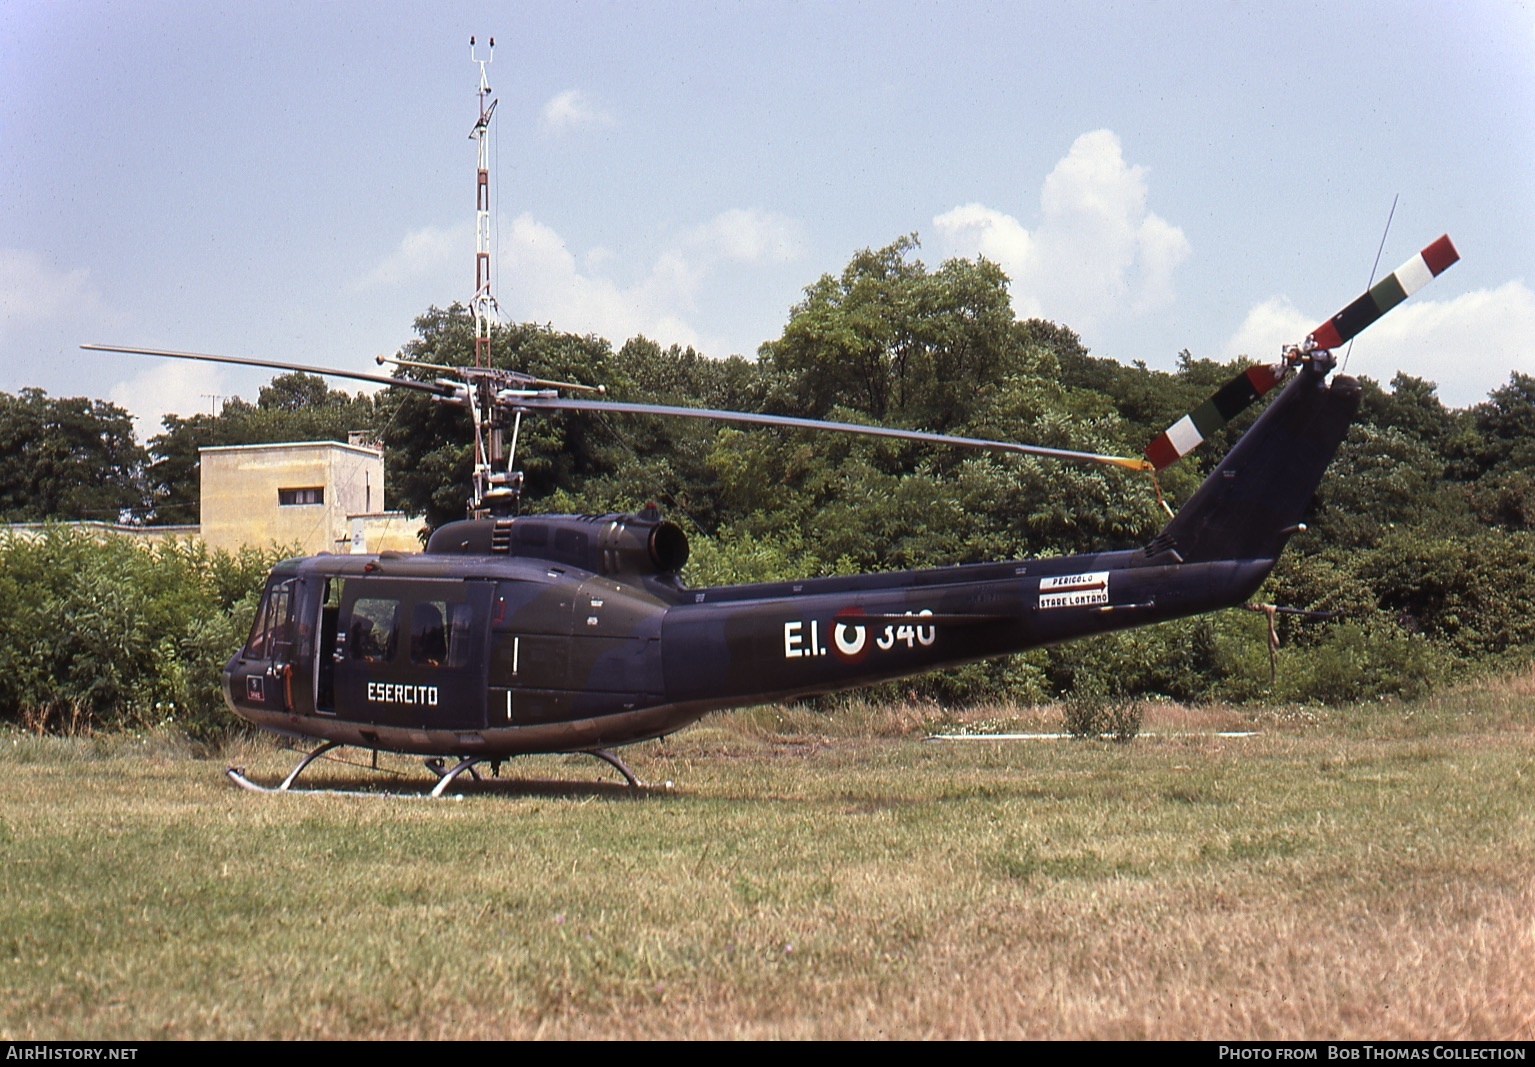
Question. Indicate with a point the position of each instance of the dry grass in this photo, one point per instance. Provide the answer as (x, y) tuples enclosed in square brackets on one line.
[(1355, 873)]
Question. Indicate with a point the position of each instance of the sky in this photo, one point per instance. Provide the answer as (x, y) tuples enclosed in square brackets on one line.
[(295, 181)]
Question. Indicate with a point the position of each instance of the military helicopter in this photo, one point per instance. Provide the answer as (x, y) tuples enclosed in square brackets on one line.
[(518, 634)]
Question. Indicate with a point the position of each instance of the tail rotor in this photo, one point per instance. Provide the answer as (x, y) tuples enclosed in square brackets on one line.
[(1183, 436)]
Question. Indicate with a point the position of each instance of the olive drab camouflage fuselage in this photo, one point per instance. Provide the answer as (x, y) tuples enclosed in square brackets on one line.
[(575, 633)]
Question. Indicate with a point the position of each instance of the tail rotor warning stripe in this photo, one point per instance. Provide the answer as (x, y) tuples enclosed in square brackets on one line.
[(1386, 294), (1183, 436)]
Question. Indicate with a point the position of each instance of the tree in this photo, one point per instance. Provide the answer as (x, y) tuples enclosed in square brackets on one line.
[(1413, 407), (109, 631), (71, 458), (897, 343), (1505, 425), (1380, 480)]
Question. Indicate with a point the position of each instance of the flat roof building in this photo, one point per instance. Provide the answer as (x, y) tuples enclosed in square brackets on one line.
[(323, 496)]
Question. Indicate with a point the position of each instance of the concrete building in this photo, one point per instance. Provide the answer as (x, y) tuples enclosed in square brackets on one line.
[(323, 496)]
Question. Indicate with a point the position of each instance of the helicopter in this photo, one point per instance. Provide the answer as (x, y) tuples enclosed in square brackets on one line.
[(515, 634)]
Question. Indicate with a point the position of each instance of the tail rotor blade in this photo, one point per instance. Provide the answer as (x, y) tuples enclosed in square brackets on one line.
[(1386, 294), (1183, 436)]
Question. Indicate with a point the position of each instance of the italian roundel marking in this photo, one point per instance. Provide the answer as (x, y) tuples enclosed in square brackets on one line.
[(849, 639)]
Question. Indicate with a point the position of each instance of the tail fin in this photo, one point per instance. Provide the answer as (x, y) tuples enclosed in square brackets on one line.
[(1253, 501)]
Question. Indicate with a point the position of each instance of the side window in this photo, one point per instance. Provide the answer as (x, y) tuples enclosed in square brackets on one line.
[(460, 616), (439, 633), (371, 633), (429, 634)]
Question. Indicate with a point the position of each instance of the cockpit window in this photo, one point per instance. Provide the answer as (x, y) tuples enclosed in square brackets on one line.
[(272, 632)]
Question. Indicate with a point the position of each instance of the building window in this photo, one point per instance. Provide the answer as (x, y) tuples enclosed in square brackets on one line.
[(287, 497)]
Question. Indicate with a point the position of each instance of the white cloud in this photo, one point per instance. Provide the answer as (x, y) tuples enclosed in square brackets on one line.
[(1269, 329), (538, 277), (749, 235), (171, 386), (1098, 254), (32, 291), (575, 109), (1468, 344), (546, 282), (422, 253), (974, 229)]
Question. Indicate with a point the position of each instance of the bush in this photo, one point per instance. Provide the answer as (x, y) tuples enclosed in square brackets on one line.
[(1363, 660), (104, 631), (1091, 713)]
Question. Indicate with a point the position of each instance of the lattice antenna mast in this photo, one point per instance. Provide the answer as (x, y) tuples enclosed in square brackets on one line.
[(484, 304), (487, 435)]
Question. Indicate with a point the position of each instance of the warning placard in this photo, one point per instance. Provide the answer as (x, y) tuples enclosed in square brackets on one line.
[(1074, 590)]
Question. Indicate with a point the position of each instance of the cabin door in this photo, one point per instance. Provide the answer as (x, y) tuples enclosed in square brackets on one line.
[(410, 653), (262, 674)]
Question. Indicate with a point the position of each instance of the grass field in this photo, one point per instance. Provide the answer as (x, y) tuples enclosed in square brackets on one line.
[(1345, 873)]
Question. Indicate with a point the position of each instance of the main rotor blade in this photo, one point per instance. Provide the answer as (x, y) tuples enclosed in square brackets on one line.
[(1386, 294), (243, 361), (561, 403)]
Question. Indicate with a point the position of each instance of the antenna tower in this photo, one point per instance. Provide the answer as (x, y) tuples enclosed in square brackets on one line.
[(483, 305), (488, 449)]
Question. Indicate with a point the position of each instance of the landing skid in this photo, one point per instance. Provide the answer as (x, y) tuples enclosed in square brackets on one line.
[(445, 775), (237, 774)]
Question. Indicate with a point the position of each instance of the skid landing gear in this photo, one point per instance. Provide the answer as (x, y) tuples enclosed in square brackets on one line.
[(438, 766), (237, 774), (445, 777)]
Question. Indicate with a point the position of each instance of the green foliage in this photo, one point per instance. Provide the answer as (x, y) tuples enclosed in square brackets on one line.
[(1383, 478), (1412, 408), (1363, 660), (1505, 425), (109, 632), (1091, 714), (1474, 594), (67, 459), (1504, 499), (738, 556), (896, 342)]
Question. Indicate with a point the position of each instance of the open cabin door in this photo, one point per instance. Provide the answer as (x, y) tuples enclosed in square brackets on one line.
[(404, 652)]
